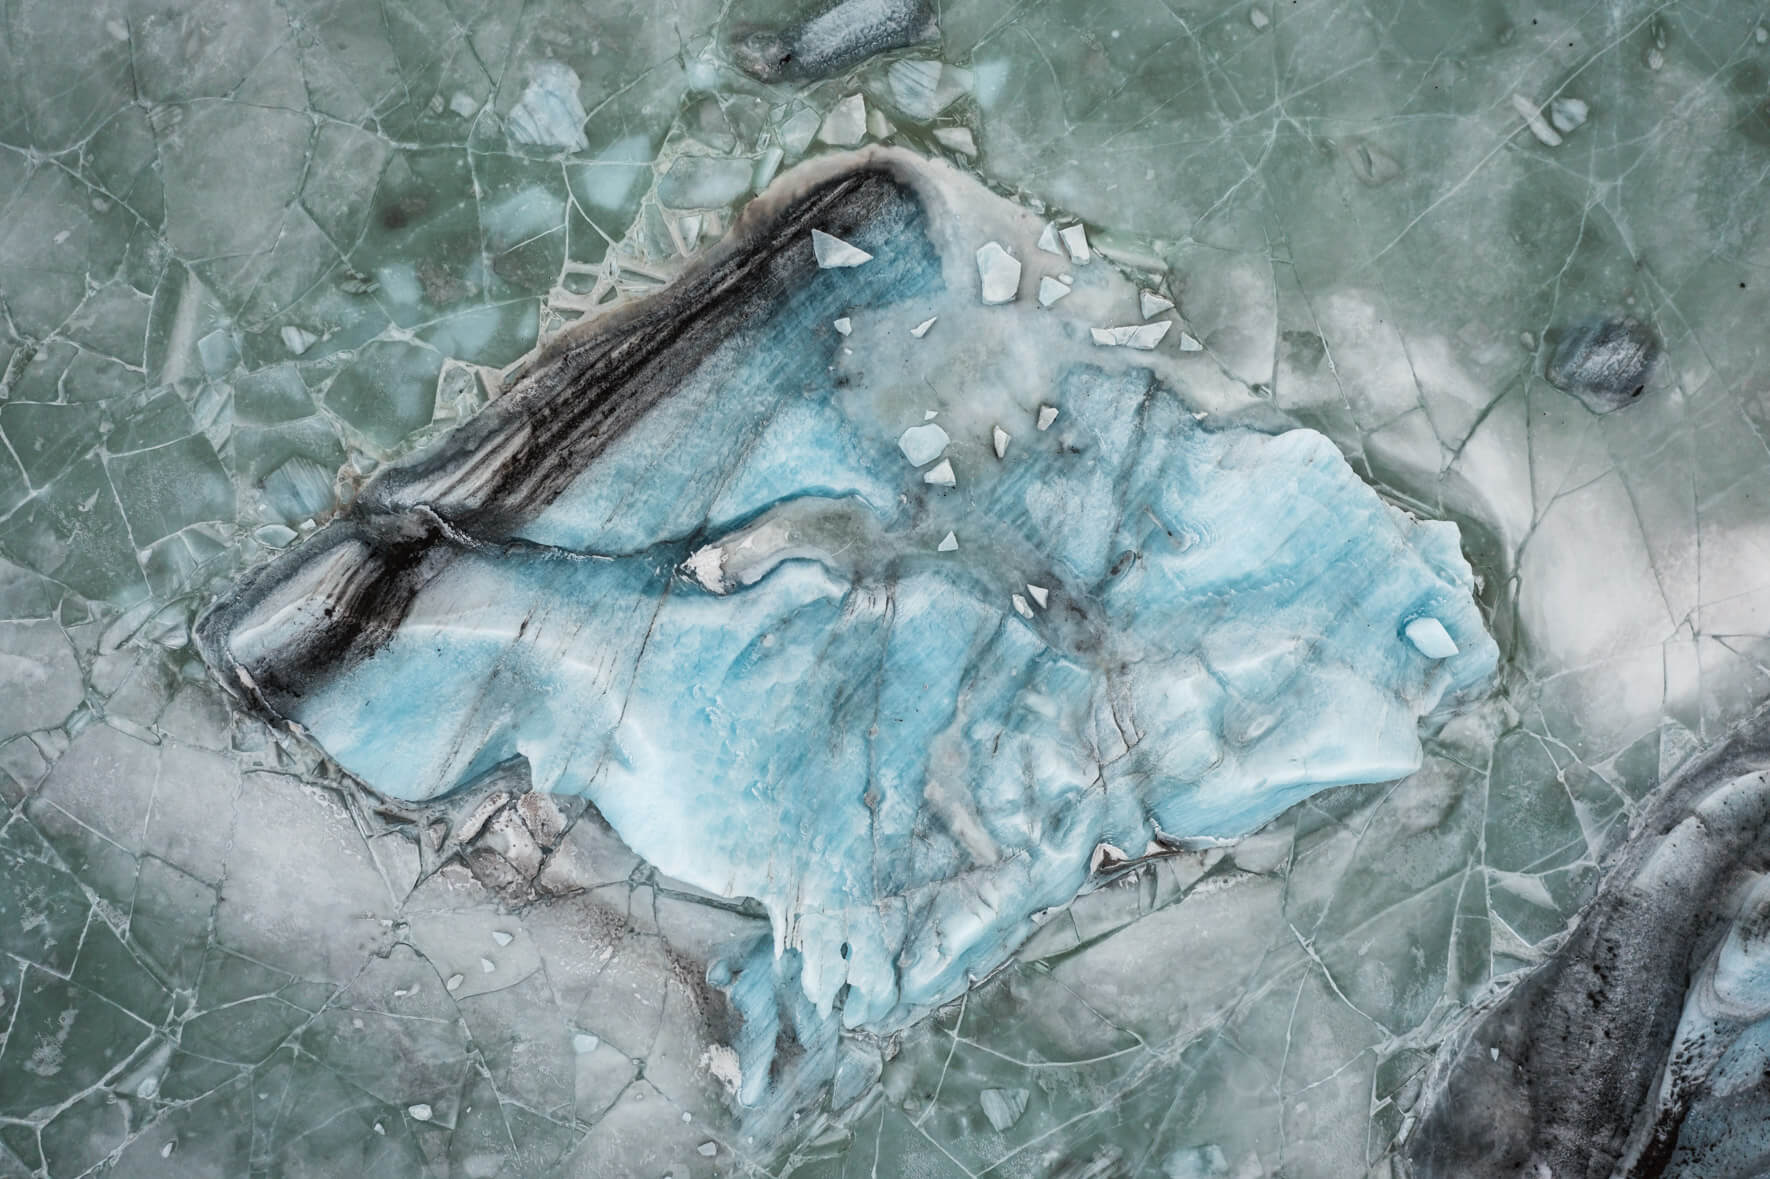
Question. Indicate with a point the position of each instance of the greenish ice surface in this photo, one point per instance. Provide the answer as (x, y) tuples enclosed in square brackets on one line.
[(253, 250)]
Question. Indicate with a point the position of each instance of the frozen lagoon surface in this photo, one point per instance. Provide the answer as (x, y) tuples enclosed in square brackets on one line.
[(1505, 261)]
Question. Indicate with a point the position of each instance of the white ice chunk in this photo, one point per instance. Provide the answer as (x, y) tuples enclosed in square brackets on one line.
[(846, 124), (583, 1043), (1153, 304), (878, 126), (1533, 118), (948, 543), (844, 325), (942, 475), (1075, 240), (1430, 639), (1051, 290), (464, 105), (1048, 240), (923, 444), (921, 329), (1190, 343), (1568, 114), (1258, 18), (832, 252), (502, 938), (1047, 415), (957, 139), (421, 1112), (298, 340), (455, 981), (487, 966), (1001, 438), (1142, 335), (549, 113), (1021, 608), (928, 415), (999, 271), (1039, 593)]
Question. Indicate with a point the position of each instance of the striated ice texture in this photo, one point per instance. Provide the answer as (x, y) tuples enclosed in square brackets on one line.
[(726, 620)]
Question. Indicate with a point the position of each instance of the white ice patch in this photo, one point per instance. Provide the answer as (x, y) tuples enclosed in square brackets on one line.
[(1051, 290), (921, 329), (1075, 240), (942, 475), (1001, 438), (1430, 638), (846, 124), (1153, 304), (1047, 415), (549, 113), (948, 543)]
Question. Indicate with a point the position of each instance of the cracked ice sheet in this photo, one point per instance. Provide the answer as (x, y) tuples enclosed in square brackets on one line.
[(1334, 154)]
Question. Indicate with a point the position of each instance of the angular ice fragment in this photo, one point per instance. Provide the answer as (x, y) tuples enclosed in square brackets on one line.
[(421, 1112), (922, 328), (846, 124), (923, 444), (1039, 593), (297, 340), (948, 543), (1051, 290), (957, 139), (1075, 240), (1533, 118), (1153, 304), (1048, 239), (922, 89), (1429, 637), (1000, 438), (549, 113), (583, 1043), (999, 272), (1258, 18), (1047, 415), (1020, 606), (832, 252), (1190, 343), (707, 1149), (1141, 335), (1003, 1107), (487, 966), (941, 475), (843, 326)]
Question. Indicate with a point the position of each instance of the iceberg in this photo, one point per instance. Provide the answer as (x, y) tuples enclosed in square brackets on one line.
[(682, 569)]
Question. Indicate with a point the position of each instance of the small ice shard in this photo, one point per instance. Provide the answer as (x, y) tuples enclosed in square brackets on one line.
[(941, 475), (502, 938), (1568, 114), (1533, 118), (843, 326), (297, 340), (1075, 240), (1196, 1162), (1048, 240), (583, 1043), (1430, 639), (1000, 438), (832, 252), (421, 1112), (275, 536), (1258, 18), (707, 1149), (846, 124), (798, 130), (487, 966), (843, 35), (878, 126), (1039, 593), (928, 415), (999, 272), (923, 444), (549, 113), (1051, 290), (921, 329), (464, 105), (1604, 363), (455, 981), (948, 543), (1153, 304), (1190, 343), (1143, 335), (1021, 608), (957, 139), (1003, 1107), (922, 89), (1047, 415)]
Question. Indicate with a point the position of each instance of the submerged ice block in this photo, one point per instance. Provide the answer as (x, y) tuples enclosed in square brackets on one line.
[(690, 569)]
